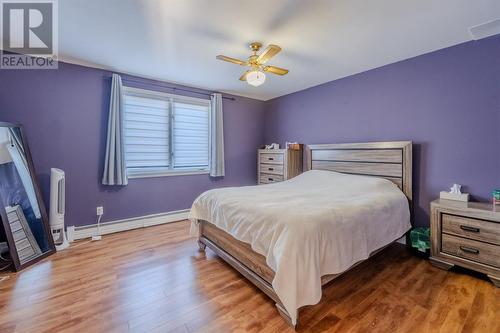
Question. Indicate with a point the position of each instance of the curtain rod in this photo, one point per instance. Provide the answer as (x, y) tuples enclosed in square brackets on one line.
[(174, 88)]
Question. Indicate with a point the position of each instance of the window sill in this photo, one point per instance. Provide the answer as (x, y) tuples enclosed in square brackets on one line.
[(167, 173)]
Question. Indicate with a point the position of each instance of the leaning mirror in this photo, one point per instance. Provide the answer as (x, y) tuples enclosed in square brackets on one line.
[(26, 229)]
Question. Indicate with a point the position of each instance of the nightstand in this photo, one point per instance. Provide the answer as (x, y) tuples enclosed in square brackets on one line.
[(276, 165), (466, 234)]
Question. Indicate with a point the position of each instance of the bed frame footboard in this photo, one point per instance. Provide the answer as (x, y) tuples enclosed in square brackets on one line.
[(201, 246), (249, 263), (258, 281)]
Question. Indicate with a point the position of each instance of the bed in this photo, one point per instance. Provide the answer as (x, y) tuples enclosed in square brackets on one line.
[(291, 238)]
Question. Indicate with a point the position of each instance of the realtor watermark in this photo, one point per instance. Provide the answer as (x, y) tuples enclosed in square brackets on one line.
[(29, 34)]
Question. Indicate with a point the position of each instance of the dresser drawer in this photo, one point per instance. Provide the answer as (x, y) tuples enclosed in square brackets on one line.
[(485, 253), (271, 158), (275, 169), (480, 230), (268, 178)]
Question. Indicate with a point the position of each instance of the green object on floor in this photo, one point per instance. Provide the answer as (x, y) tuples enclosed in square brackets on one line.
[(420, 238)]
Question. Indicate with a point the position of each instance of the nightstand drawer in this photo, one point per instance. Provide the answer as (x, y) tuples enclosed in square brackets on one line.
[(268, 178), (274, 169), (271, 158), (480, 230), (485, 253)]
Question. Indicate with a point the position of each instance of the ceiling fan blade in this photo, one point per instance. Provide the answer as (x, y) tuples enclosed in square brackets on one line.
[(232, 60), (244, 76), (268, 53), (275, 70)]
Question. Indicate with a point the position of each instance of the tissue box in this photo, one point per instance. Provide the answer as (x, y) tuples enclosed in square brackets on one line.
[(453, 196)]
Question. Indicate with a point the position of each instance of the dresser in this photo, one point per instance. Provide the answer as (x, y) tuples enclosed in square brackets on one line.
[(276, 165), (466, 234)]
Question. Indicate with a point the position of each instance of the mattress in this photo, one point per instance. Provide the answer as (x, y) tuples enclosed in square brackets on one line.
[(318, 223)]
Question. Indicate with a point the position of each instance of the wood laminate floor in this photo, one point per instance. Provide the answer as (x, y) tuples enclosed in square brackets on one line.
[(155, 280)]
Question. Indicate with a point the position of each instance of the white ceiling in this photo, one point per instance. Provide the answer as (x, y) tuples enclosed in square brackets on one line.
[(177, 40)]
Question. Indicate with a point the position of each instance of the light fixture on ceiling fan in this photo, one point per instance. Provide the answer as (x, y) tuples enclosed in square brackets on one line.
[(255, 76)]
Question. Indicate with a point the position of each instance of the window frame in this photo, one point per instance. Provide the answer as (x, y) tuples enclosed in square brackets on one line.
[(171, 99)]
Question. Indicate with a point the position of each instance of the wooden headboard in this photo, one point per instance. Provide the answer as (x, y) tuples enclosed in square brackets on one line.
[(390, 160)]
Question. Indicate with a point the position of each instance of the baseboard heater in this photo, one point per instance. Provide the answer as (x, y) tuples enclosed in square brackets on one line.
[(132, 223)]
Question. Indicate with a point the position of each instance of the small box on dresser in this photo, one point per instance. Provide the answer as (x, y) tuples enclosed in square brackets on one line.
[(276, 165), (466, 234)]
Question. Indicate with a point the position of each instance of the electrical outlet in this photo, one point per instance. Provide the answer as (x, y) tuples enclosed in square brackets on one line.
[(100, 210)]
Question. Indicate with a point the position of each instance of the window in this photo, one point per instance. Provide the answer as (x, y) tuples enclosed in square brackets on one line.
[(165, 134)]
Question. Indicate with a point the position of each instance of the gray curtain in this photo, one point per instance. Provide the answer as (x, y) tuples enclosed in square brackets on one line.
[(216, 137), (114, 163)]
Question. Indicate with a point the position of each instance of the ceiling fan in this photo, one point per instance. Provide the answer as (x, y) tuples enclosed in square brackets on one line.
[(255, 76)]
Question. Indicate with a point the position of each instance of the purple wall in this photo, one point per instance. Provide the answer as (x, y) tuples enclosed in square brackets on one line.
[(64, 113), (447, 102)]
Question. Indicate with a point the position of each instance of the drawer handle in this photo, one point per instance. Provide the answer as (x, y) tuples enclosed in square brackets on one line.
[(270, 179), (270, 169), (469, 250), (271, 158), (467, 228)]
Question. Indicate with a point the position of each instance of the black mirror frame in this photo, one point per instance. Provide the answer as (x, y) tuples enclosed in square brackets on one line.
[(45, 220)]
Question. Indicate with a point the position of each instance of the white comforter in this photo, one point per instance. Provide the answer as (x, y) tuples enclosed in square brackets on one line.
[(318, 223)]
